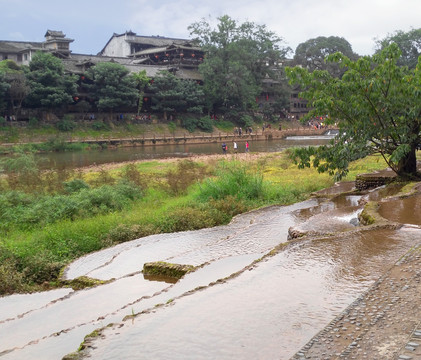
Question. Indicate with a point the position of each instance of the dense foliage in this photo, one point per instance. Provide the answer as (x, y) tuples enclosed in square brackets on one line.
[(312, 53), (408, 42), (111, 87), (49, 86), (171, 95), (376, 105), (238, 58)]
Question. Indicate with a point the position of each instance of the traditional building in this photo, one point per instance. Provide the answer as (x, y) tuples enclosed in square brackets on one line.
[(129, 43), (21, 52)]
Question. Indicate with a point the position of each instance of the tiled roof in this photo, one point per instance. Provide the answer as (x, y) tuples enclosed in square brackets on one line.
[(19, 46)]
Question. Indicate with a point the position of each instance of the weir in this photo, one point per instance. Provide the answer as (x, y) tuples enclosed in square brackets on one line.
[(254, 294)]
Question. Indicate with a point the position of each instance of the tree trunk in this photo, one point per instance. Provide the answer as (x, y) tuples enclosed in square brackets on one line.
[(407, 166)]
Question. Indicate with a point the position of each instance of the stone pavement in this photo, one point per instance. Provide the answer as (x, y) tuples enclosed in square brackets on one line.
[(384, 323)]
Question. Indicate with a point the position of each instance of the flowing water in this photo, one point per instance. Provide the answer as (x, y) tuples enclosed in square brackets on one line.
[(239, 304)]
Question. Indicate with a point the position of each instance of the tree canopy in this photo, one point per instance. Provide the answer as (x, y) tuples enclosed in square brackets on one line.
[(112, 87), (171, 95), (409, 43), (312, 53), (50, 87), (238, 57), (376, 105)]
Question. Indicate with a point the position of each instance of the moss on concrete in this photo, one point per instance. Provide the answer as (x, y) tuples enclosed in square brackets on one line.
[(167, 269)]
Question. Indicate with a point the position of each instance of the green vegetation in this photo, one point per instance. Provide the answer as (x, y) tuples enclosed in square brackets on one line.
[(376, 106), (50, 218)]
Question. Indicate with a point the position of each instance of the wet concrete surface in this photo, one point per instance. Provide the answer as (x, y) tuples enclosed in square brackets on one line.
[(245, 301), (383, 323)]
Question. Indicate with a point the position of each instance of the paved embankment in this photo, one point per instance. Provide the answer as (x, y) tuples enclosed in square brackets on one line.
[(384, 323)]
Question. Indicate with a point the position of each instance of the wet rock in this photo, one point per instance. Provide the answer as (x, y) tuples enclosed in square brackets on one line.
[(166, 269)]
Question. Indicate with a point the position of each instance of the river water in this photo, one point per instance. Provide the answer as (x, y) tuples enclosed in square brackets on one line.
[(148, 152), (243, 302)]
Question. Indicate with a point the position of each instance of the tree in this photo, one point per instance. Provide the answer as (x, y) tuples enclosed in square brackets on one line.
[(50, 87), (409, 43), (112, 88), (238, 58), (141, 80), (171, 95), (18, 87), (4, 87), (312, 53), (377, 106)]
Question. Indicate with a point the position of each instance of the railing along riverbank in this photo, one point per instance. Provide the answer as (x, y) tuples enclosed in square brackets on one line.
[(197, 138)]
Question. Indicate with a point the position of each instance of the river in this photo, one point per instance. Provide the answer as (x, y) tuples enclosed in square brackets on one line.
[(150, 152), (245, 301)]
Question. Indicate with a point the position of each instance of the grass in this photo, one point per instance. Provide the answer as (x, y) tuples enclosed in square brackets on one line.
[(170, 196)]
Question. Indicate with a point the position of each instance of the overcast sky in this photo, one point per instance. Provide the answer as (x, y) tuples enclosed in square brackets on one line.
[(91, 23)]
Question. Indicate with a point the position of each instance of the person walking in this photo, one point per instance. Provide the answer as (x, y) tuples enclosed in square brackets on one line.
[(235, 146), (224, 148), (247, 146)]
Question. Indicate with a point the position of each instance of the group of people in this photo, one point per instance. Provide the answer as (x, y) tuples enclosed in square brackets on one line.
[(239, 131), (235, 147)]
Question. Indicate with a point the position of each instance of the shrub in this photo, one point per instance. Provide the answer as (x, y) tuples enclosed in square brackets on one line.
[(172, 126), (33, 122), (66, 125), (233, 179), (205, 123), (11, 280), (186, 173), (123, 233), (132, 174), (41, 267), (187, 218), (100, 125), (75, 186), (189, 123)]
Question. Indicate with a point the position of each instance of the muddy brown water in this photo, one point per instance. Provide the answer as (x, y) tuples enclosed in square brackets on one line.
[(78, 159), (269, 310), (406, 210)]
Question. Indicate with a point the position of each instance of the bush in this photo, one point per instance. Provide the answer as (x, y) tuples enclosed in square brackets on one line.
[(233, 179), (33, 122), (187, 218), (205, 123), (186, 173), (41, 267), (132, 174), (24, 211), (99, 125), (123, 233), (11, 280), (189, 123), (66, 125), (75, 186), (246, 120)]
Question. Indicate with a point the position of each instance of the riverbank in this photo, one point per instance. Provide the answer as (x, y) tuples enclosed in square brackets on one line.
[(125, 135)]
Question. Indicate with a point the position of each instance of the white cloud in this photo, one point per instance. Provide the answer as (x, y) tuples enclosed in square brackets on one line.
[(91, 23)]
